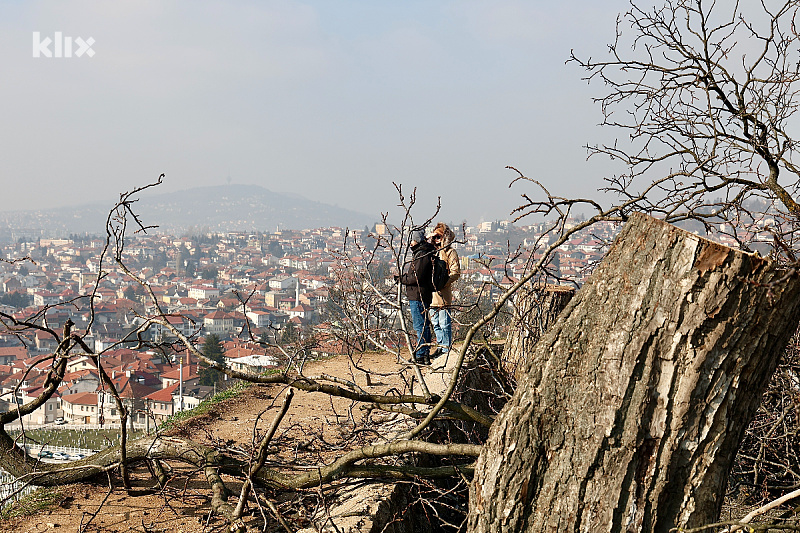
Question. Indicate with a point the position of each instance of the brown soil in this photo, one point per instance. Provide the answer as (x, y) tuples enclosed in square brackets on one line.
[(316, 429)]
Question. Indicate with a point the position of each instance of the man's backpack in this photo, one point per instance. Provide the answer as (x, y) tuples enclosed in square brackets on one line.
[(441, 272)]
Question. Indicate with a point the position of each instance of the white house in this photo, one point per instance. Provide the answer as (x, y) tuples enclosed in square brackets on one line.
[(41, 298), (45, 413), (302, 311), (80, 408), (181, 323), (260, 319), (253, 364), (219, 323), (203, 292), (192, 397), (281, 283)]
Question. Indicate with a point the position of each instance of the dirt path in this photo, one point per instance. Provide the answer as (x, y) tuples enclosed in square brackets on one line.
[(316, 429)]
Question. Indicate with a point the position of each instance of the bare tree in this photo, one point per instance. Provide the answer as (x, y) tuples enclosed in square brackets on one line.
[(634, 403), (703, 95)]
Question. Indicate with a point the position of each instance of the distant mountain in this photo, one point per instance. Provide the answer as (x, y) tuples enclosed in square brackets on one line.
[(218, 208), (245, 207)]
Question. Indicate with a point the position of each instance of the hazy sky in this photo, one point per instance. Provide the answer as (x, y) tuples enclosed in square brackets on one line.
[(330, 100)]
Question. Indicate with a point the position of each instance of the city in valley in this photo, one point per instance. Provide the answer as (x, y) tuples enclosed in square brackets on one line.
[(241, 288)]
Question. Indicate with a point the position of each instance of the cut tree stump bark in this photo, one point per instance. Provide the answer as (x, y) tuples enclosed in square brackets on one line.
[(636, 400), (536, 308)]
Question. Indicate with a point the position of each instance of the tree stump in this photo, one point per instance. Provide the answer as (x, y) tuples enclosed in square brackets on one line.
[(636, 400), (536, 308)]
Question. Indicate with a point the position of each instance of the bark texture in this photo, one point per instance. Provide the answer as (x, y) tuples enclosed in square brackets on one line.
[(536, 309), (635, 402)]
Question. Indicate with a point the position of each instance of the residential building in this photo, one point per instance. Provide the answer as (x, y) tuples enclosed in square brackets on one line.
[(219, 323), (81, 408)]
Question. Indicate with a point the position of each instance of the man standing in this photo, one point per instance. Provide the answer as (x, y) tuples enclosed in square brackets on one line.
[(442, 238), (417, 276)]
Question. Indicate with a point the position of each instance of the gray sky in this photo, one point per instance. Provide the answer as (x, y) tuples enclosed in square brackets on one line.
[(329, 100)]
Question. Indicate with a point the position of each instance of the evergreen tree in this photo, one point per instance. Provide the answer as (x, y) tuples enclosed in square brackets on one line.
[(555, 264), (159, 261), (209, 273), (212, 349), (289, 333), (275, 249), (16, 299), (130, 293)]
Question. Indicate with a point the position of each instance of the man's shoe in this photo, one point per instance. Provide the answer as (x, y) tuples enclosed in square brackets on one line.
[(436, 352)]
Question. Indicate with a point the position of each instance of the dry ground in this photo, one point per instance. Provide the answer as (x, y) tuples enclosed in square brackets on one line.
[(315, 429)]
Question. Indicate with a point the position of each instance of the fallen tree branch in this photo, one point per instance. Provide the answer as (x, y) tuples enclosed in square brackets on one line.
[(261, 456), (766, 508), (410, 472), (342, 467)]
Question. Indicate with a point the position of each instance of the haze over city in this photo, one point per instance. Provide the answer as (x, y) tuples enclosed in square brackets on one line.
[(331, 101)]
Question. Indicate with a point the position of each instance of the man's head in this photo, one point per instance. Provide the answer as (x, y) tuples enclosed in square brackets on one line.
[(417, 236)]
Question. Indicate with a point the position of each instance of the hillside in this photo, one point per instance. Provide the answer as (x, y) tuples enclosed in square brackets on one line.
[(309, 433), (218, 208)]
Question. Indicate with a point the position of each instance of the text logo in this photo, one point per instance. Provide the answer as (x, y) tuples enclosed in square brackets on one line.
[(62, 46)]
